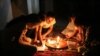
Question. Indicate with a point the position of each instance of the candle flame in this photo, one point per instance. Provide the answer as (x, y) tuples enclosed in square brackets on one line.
[(58, 38)]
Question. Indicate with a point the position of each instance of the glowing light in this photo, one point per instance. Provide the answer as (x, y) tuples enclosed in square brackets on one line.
[(58, 39)]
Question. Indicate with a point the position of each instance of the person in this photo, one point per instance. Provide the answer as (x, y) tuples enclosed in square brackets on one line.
[(34, 33), (11, 34), (74, 33)]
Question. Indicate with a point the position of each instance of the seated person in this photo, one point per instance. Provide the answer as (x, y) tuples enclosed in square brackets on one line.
[(11, 35), (74, 33), (34, 32)]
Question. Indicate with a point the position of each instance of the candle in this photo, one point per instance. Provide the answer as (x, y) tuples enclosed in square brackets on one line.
[(51, 41), (58, 39), (44, 47)]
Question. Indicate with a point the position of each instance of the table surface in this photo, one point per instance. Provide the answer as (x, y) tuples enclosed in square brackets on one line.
[(57, 53)]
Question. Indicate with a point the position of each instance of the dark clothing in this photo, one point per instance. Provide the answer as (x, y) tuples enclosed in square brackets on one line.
[(44, 30), (11, 34), (31, 33)]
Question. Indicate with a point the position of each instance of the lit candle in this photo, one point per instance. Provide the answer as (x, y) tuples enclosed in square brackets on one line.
[(44, 47), (50, 41), (57, 43), (58, 39)]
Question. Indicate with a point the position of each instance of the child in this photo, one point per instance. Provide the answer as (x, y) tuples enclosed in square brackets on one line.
[(73, 32), (35, 31)]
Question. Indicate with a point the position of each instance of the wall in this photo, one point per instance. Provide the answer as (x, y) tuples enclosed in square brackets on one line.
[(5, 13), (19, 7)]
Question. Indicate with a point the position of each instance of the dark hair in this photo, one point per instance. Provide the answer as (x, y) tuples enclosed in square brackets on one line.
[(42, 15), (72, 17), (78, 20), (50, 14)]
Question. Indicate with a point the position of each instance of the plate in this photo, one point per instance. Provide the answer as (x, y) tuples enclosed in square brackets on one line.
[(54, 43)]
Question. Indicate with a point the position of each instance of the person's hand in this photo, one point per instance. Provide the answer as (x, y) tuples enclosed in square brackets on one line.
[(43, 37), (27, 40), (67, 36)]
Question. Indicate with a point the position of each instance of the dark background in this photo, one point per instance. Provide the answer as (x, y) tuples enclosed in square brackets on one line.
[(86, 11)]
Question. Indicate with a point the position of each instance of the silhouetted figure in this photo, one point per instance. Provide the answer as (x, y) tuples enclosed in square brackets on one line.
[(11, 34)]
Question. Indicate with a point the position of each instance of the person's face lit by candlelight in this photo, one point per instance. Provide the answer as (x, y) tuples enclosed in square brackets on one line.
[(48, 22)]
